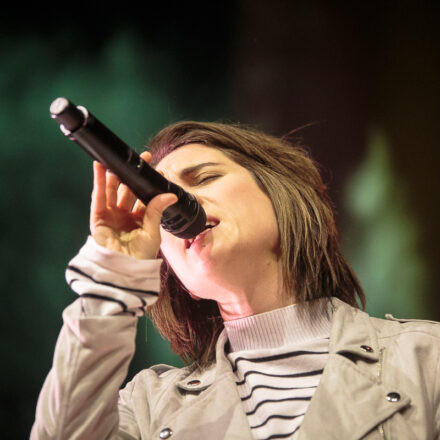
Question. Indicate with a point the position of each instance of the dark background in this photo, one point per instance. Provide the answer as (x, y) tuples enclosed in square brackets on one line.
[(361, 78)]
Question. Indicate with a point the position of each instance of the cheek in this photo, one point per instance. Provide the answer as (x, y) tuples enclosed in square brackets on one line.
[(265, 222)]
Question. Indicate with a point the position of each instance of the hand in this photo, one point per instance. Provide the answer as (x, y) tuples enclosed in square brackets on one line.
[(120, 222)]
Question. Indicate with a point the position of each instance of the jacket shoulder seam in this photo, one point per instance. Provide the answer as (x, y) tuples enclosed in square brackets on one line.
[(390, 317), (410, 330)]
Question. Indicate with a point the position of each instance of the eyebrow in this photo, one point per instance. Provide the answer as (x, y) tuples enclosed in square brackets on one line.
[(192, 169)]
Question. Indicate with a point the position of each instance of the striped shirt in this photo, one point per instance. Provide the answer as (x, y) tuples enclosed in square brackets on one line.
[(278, 358)]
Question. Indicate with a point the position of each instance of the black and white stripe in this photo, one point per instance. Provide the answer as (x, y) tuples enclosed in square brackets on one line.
[(276, 357), (105, 283), (277, 385), (96, 276)]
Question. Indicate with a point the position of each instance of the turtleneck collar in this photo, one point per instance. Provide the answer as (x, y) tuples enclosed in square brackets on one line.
[(294, 324)]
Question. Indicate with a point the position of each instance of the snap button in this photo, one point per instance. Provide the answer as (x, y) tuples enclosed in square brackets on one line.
[(393, 397), (165, 433), (194, 383), (367, 348)]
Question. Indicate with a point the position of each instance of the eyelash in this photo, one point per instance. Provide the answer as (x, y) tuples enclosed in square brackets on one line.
[(207, 178)]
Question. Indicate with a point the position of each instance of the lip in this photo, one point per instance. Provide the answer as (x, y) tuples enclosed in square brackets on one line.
[(206, 231)]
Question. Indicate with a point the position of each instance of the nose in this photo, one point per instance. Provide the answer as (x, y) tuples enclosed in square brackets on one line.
[(187, 188), (198, 197)]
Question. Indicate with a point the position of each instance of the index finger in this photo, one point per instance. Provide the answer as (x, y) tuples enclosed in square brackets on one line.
[(146, 156), (99, 199)]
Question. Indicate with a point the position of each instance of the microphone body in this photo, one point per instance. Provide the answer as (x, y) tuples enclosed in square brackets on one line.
[(185, 218)]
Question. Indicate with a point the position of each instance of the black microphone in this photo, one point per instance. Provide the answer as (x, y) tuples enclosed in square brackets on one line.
[(184, 219)]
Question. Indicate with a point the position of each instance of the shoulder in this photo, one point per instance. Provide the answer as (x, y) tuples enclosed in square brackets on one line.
[(387, 326), (409, 338), (165, 383), (392, 326), (162, 372), (156, 380), (351, 325), (162, 375)]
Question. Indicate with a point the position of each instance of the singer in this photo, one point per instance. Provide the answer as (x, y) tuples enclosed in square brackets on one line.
[(262, 306)]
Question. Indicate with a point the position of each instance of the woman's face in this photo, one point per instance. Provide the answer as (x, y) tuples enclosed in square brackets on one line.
[(244, 241)]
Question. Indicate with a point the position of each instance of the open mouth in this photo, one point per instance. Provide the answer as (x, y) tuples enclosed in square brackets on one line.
[(210, 224)]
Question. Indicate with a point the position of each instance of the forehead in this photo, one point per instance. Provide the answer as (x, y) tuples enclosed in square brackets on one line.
[(191, 154)]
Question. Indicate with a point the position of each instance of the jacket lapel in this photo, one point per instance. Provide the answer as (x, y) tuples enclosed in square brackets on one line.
[(350, 400), (348, 403)]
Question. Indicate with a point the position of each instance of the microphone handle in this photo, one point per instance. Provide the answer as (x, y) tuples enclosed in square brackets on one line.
[(185, 218)]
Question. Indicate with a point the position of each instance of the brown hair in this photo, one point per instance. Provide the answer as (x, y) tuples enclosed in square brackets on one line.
[(312, 263)]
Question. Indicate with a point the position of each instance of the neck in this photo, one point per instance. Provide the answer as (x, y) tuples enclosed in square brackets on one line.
[(254, 296), (242, 290), (244, 307)]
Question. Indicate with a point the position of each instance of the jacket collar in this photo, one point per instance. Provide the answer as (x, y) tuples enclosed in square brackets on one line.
[(352, 332), (351, 399), (342, 342)]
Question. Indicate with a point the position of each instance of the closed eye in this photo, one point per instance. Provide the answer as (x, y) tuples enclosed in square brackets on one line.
[(207, 178)]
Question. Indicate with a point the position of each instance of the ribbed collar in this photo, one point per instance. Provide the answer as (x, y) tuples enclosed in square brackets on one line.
[(294, 324)]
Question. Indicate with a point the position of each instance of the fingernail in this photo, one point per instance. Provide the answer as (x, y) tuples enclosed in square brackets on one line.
[(172, 199)]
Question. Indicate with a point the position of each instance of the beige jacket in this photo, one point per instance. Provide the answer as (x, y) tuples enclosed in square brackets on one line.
[(382, 381)]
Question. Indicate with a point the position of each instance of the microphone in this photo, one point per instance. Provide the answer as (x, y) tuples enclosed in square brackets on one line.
[(184, 219)]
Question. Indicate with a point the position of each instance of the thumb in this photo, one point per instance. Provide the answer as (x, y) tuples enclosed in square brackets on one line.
[(155, 208)]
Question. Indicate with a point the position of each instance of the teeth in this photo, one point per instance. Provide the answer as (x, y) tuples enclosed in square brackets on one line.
[(209, 224)]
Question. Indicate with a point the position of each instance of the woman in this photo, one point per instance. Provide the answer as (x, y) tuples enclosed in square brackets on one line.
[(261, 305)]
